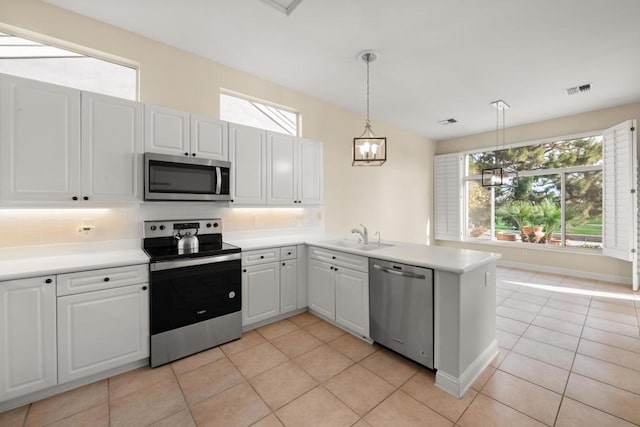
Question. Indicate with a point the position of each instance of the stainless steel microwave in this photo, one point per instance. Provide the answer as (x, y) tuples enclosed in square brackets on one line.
[(185, 178)]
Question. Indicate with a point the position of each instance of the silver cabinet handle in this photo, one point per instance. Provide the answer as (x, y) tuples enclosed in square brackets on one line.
[(399, 273), (218, 180)]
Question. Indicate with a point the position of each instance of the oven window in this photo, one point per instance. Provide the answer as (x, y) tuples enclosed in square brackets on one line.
[(165, 177)]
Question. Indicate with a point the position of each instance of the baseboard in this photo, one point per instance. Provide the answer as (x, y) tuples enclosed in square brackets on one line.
[(256, 325), (623, 280), (458, 386)]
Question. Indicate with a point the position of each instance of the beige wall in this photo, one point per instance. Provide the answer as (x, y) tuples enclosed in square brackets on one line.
[(395, 198), (592, 121)]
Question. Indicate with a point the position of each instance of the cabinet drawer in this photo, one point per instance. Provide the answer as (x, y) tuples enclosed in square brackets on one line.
[(107, 278), (288, 252), (342, 259), (261, 256)]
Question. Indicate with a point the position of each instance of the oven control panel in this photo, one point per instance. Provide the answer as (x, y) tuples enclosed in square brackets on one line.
[(171, 227)]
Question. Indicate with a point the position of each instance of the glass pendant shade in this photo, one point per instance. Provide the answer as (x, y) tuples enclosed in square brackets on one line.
[(499, 177), (369, 149)]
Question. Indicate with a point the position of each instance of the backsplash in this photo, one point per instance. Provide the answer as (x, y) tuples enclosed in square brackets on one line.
[(34, 227)]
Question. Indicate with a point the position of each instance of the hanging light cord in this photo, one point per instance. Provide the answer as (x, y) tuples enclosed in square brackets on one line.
[(368, 60)]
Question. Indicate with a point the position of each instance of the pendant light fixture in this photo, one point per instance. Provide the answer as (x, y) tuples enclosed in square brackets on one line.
[(500, 175), (369, 149)]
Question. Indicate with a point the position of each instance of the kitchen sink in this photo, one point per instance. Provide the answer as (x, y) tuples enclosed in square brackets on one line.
[(346, 243)]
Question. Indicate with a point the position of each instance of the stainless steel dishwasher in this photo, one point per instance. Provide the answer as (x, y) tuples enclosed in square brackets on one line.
[(401, 309)]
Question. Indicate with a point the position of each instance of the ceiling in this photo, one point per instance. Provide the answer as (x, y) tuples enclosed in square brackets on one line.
[(439, 59)]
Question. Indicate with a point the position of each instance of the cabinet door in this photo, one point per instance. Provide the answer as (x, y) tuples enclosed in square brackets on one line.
[(166, 131), (27, 336), (112, 146), (281, 169), (247, 153), (310, 172), (322, 289), (209, 138), (102, 330), (260, 292), (39, 141), (352, 300), (288, 286)]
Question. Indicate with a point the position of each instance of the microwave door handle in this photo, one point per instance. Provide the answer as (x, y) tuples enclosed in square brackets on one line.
[(218, 180)]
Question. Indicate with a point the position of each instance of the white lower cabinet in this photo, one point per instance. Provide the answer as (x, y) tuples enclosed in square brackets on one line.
[(260, 292), (101, 330), (27, 336), (338, 293), (288, 285)]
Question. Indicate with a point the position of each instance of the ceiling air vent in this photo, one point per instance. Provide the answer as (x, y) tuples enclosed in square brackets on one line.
[(448, 121), (578, 89)]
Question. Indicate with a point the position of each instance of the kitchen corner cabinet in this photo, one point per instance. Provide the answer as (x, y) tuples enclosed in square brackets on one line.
[(288, 279), (282, 165), (180, 133), (27, 336), (59, 144), (247, 153), (309, 172)]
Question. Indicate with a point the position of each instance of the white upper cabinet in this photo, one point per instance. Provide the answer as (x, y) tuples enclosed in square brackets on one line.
[(309, 172), (112, 143), (179, 133), (282, 165), (39, 141), (247, 149)]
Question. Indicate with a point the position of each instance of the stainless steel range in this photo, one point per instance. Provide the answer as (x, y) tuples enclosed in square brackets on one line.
[(195, 284)]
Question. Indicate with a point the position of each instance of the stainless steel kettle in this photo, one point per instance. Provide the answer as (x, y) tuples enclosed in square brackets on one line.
[(187, 242)]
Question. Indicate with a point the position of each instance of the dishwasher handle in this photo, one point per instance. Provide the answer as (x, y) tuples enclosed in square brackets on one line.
[(400, 273)]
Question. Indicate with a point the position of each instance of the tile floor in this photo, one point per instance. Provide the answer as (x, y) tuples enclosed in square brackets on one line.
[(570, 356)]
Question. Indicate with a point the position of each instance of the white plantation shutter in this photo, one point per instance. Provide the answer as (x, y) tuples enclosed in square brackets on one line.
[(619, 198), (448, 196)]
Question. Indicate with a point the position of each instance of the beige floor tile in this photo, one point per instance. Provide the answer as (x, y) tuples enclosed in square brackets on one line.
[(317, 408), (303, 320), (277, 329), (97, 416), (258, 359), (610, 304), (359, 388), (563, 315), (571, 298), (422, 388), (515, 314), (612, 339), (352, 347), (282, 384), (209, 380), (558, 325), (296, 343), (580, 282), (575, 414), (323, 362), (510, 325), (14, 417), (529, 298), (179, 419), (484, 411), (195, 361), (401, 410), (555, 338), (138, 379), (535, 371), (147, 406), (567, 306), (604, 397), (628, 319), (530, 399), (497, 361), (248, 340), (536, 291), (615, 327), (518, 304), (506, 339), (547, 353), (390, 366), (238, 406), (483, 378), (66, 404), (609, 373), (325, 331), (499, 300), (269, 421), (628, 359), (362, 423), (547, 278)]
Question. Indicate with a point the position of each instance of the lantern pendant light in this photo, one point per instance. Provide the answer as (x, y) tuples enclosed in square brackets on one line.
[(500, 175), (369, 149)]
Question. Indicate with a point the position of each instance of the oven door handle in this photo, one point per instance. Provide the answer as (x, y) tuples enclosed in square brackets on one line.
[(168, 265), (218, 180)]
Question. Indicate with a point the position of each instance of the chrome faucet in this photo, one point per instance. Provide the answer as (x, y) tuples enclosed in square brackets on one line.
[(364, 234)]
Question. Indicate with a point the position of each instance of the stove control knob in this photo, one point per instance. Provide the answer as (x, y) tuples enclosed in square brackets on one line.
[(232, 294), (153, 228), (215, 225), (162, 227), (208, 225)]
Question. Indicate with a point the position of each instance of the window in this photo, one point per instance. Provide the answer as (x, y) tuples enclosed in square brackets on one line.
[(260, 115), (27, 58), (558, 200)]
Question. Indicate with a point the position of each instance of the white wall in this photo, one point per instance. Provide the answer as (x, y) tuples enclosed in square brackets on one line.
[(395, 199), (592, 121)]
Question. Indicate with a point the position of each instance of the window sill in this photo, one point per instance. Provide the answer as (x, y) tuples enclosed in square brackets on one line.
[(533, 246)]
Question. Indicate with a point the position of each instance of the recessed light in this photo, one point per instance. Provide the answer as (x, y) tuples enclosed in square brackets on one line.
[(448, 121)]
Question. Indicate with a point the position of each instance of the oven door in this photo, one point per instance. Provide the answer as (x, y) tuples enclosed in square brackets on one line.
[(194, 290)]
